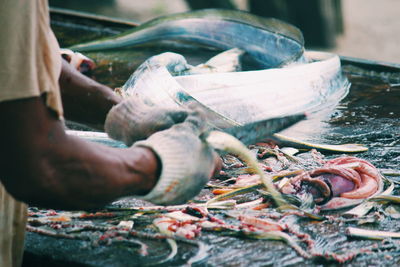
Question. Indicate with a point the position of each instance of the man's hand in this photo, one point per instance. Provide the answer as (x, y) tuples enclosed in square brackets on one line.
[(187, 161), (133, 120), (85, 100)]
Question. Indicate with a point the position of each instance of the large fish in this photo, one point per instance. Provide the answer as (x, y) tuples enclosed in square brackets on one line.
[(271, 42), (237, 98)]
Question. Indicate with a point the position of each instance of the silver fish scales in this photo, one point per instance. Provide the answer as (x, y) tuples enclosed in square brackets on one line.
[(270, 42)]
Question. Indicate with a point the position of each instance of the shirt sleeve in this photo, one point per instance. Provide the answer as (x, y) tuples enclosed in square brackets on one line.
[(30, 53)]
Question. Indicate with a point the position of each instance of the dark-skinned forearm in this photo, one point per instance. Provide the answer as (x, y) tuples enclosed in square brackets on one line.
[(84, 99), (78, 174), (43, 166)]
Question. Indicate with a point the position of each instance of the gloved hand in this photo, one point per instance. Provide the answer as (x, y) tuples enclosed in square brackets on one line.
[(187, 161), (133, 120)]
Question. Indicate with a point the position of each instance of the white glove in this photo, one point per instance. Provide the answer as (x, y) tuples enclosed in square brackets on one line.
[(133, 120), (187, 162)]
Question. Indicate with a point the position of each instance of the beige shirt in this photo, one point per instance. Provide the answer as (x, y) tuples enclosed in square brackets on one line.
[(12, 229), (31, 66)]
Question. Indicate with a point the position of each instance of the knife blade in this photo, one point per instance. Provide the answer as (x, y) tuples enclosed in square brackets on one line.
[(248, 134), (257, 131)]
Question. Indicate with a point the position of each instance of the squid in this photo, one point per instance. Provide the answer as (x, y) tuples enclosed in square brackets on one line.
[(342, 182)]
